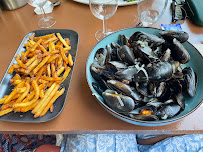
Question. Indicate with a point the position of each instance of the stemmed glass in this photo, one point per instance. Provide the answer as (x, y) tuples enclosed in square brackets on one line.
[(103, 10), (150, 11), (45, 21)]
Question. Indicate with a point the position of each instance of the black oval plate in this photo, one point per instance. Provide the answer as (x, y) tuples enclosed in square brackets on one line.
[(6, 87)]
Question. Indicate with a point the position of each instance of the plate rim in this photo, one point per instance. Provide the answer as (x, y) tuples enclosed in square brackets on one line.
[(119, 4), (154, 123)]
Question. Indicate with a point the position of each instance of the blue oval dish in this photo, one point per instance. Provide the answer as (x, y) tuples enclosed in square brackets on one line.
[(196, 62)]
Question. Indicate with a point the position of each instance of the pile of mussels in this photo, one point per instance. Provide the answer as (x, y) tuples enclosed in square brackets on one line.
[(144, 77)]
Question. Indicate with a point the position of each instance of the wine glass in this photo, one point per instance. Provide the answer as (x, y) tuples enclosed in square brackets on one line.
[(103, 10), (45, 21), (150, 11)]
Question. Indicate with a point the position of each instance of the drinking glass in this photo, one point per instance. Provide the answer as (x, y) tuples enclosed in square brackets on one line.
[(45, 21), (150, 11), (103, 10)]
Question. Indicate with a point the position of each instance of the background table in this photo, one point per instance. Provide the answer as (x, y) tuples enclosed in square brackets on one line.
[(82, 113)]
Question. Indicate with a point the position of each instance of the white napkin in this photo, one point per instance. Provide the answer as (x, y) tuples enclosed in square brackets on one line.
[(48, 8)]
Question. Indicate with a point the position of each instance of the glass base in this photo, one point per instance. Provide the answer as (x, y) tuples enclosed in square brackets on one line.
[(46, 22), (100, 35)]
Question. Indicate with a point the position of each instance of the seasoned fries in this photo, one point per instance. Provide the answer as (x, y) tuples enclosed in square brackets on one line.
[(40, 70)]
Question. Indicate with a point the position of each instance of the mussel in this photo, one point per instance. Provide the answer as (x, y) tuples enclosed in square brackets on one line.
[(157, 71), (152, 40), (168, 111), (179, 35), (191, 80), (118, 102), (123, 88), (178, 52), (126, 55)]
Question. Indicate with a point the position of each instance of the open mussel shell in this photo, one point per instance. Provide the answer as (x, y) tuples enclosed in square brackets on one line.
[(179, 35), (144, 117), (168, 111), (152, 40), (157, 71), (101, 56), (123, 40), (147, 53), (95, 70), (191, 80), (118, 102), (180, 100), (127, 74), (115, 66), (143, 88), (124, 89), (126, 55), (166, 56), (178, 52), (99, 87), (157, 89), (115, 45)]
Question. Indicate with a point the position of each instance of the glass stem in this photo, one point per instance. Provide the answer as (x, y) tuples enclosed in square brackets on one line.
[(104, 26), (43, 12)]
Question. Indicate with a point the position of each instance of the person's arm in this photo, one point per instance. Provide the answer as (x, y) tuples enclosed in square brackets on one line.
[(48, 148), (154, 140)]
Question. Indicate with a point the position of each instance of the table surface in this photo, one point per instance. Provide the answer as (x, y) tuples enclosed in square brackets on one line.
[(82, 113)]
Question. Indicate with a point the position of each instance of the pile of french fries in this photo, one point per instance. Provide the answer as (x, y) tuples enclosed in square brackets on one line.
[(39, 72)]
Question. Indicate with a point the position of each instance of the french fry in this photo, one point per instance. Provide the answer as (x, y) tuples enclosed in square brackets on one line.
[(35, 45), (44, 37), (63, 55), (51, 46), (42, 48), (10, 96), (46, 95), (40, 73), (32, 36), (65, 74), (70, 60), (48, 70), (11, 69), (20, 63), (27, 86), (68, 41), (41, 93), (31, 60), (25, 109), (34, 64), (51, 108), (16, 77), (41, 64), (60, 62), (57, 94), (32, 94), (50, 40), (51, 78), (52, 58), (17, 82), (45, 102), (53, 71), (60, 71), (2, 100), (63, 41), (8, 105), (36, 89), (21, 90), (36, 52), (6, 111), (43, 81)]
